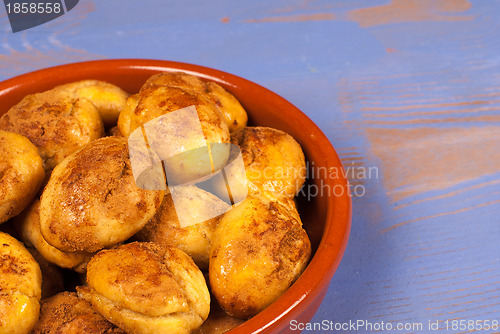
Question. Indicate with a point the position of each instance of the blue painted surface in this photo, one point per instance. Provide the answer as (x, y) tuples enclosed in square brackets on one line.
[(424, 242)]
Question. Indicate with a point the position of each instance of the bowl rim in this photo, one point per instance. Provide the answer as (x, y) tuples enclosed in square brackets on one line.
[(314, 281)]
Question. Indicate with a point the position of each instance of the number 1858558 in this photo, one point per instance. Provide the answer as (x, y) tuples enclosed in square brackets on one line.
[(33, 8), (472, 325)]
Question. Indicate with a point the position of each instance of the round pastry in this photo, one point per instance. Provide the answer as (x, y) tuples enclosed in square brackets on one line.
[(184, 153), (126, 114), (158, 101), (28, 225), (234, 114), (175, 79), (20, 287), (185, 130), (259, 249), (21, 174), (194, 205), (66, 313), (107, 98), (92, 201), (145, 288), (274, 161), (57, 125)]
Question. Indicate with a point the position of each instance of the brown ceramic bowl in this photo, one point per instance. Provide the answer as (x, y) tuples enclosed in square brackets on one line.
[(326, 217)]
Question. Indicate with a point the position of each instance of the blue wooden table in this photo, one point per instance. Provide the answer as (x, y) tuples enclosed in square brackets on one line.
[(408, 92)]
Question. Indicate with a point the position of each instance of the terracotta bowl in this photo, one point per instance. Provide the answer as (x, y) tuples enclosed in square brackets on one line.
[(326, 216)]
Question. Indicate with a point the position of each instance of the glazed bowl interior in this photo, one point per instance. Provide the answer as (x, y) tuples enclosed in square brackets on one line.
[(324, 204)]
